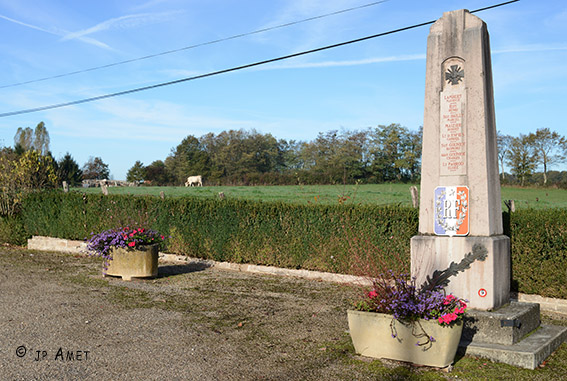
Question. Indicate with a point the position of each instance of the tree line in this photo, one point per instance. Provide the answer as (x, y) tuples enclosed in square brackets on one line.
[(383, 154), (239, 157), (524, 154), (389, 153)]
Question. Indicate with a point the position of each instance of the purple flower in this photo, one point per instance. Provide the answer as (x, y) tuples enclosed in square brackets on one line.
[(398, 295), (101, 244)]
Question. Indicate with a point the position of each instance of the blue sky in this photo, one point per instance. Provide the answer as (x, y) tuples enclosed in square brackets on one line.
[(379, 81)]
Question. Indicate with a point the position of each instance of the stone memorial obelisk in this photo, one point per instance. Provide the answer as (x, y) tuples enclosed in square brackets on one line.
[(460, 203)]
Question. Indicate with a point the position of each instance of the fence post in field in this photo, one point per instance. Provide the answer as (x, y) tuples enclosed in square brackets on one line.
[(414, 196), (511, 205)]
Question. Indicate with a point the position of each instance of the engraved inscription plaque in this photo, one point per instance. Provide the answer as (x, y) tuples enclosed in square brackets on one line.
[(453, 150)]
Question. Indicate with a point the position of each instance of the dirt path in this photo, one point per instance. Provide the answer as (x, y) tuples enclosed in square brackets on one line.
[(192, 323)]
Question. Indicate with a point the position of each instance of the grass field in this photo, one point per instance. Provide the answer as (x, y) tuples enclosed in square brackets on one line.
[(380, 194)]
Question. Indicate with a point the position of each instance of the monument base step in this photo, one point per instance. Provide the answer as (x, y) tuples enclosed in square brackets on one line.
[(506, 325), (528, 353)]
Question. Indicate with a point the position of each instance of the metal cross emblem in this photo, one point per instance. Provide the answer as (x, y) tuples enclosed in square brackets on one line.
[(454, 75)]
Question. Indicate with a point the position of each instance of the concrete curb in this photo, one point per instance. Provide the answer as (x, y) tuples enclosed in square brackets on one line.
[(271, 270), (558, 306)]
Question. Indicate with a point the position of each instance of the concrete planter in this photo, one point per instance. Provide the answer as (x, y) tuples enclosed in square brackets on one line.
[(141, 262), (371, 335)]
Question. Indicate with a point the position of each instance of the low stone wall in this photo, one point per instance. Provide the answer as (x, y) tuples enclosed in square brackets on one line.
[(80, 247), (553, 305), (56, 244)]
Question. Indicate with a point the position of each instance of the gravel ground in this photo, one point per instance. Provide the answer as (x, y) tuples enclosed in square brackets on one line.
[(61, 320)]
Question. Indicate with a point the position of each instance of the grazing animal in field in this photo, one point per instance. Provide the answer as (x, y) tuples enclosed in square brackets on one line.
[(198, 180)]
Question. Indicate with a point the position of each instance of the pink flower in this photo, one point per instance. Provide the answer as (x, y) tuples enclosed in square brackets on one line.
[(131, 235), (460, 310), (131, 244), (372, 294), (448, 299), (448, 318)]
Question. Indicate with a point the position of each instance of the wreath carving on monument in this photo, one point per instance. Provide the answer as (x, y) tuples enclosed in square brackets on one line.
[(463, 208)]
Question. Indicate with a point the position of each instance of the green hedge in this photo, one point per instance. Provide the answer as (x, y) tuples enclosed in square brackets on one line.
[(339, 238), (12, 230), (539, 252)]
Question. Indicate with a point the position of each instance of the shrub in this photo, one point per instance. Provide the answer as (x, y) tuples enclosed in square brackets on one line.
[(12, 231), (539, 252), (315, 237)]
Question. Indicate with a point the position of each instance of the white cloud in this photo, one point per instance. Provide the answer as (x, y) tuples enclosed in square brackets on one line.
[(57, 32), (138, 120), (530, 48), (122, 22), (27, 25), (405, 57), (94, 42), (364, 61)]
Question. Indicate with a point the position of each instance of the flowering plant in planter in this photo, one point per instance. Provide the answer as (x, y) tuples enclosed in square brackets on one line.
[(398, 295), (101, 244), (410, 305), (127, 252)]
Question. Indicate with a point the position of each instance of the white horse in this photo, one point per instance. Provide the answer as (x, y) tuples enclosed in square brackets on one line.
[(194, 180)]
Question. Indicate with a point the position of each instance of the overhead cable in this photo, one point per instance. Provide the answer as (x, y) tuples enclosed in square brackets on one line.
[(193, 46), (210, 74)]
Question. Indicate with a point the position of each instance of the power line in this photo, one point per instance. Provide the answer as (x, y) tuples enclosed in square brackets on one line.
[(236, 68), (194, 46)]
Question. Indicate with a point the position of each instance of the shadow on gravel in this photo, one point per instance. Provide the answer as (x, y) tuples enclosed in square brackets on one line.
[(171, 270)]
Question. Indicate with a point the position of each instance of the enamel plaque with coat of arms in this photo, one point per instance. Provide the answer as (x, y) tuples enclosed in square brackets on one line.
[(452, 211)]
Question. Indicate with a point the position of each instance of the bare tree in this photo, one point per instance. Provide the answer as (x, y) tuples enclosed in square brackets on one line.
[(24, 138), (41, 139), (503, 142), (550, 148), (522, 158), (27, 139)]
